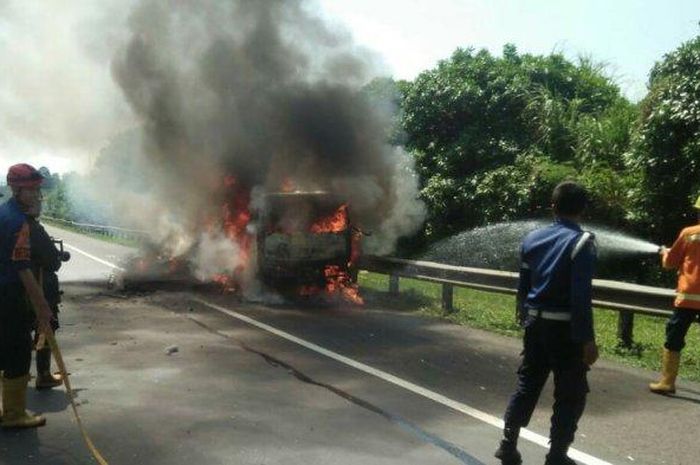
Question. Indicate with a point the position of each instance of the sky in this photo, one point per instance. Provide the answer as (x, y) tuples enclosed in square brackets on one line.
[(627, 35), (59, 106)]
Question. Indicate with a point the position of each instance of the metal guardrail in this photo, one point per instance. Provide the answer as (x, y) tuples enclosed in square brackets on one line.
[(110, 231), (626, 298)]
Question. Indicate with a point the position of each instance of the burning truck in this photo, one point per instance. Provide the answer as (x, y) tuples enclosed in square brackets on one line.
[(298, 244), (271, 97), (306, 243)]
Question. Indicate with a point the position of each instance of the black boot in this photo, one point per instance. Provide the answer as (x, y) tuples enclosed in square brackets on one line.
[(557, 455), (507, 452), (44, 378)]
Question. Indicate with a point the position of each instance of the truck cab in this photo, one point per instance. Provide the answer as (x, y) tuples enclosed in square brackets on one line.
[(302, 235)]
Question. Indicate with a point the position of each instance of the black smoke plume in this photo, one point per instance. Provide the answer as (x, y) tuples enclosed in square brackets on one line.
[(264, 91)]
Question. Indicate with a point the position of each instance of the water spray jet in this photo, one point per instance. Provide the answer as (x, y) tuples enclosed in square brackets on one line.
[(497, 246)]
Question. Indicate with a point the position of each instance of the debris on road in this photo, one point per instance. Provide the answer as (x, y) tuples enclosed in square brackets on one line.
[(171, 350)]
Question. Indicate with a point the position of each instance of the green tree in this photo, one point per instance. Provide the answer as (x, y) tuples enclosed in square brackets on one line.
[(486, 129), (665, 156), (56, 200)]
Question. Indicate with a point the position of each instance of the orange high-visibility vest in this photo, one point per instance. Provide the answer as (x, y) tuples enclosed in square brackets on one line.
[(685, 257)]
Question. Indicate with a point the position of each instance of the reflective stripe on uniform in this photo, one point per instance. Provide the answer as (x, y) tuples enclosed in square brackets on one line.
[(580, 244), (555, 316), (693, 238), (22, 250), (684, 296)]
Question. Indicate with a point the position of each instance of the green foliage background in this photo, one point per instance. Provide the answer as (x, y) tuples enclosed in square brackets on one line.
[(493, 135), (665, 151)]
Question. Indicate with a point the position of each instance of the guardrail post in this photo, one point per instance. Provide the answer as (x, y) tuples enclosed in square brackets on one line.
[(447, 301), (625, 329), (394, 284)]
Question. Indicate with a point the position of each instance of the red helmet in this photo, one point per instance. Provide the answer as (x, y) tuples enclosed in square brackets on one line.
[(24, 175)]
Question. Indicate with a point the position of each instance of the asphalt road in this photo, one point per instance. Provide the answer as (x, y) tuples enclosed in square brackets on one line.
[(262, 383)]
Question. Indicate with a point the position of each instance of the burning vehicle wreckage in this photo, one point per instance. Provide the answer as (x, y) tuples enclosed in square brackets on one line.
[(266, 154), (292, 245)]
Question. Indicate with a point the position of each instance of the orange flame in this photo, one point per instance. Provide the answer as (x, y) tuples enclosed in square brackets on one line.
[(235, 216), (339, 282), (227, 283), (336, 222)]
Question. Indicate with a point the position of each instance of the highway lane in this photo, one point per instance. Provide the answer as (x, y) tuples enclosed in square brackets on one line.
[(91, 259), (227, 366)]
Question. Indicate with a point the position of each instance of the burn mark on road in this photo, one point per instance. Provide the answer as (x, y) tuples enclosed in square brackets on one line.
[(402, 423)]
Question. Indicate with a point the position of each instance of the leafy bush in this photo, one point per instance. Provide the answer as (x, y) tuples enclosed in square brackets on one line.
[(665, 153), (493, 135)]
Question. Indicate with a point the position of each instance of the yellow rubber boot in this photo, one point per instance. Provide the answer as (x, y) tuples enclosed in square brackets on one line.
[(669, 372), (14, 402)]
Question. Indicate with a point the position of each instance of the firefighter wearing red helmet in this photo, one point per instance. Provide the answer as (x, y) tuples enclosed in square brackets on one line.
[(18, 286)]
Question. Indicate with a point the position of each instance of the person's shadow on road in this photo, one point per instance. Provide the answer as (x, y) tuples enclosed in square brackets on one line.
[(49, 400), (20, 447), (686, 395)]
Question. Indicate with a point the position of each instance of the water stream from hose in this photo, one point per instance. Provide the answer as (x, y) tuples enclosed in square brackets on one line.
[(497, 246)]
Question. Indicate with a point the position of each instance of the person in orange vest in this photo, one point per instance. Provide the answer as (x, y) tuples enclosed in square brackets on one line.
[(683, 256)]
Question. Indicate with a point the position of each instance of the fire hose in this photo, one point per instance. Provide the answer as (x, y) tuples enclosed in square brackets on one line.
[(51, 339)]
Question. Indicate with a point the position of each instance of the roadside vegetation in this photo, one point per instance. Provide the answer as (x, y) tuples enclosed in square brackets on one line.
[(496, 313)]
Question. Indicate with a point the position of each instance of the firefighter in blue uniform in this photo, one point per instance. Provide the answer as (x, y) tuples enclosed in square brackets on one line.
[(19, 292), (554, 307)]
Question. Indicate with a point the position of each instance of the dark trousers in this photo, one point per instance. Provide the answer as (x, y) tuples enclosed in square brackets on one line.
[(548, 348), (16, 320), (677, 327)]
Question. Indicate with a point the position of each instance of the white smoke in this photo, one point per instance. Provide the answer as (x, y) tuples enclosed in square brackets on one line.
[(59, 103), (215, 254)]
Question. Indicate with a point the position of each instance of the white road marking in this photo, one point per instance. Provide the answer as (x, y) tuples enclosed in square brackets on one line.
[(439, 398), (421, 391), (98, 260)]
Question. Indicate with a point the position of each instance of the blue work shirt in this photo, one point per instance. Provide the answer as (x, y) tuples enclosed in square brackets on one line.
[(15, 250), (556, 275)]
